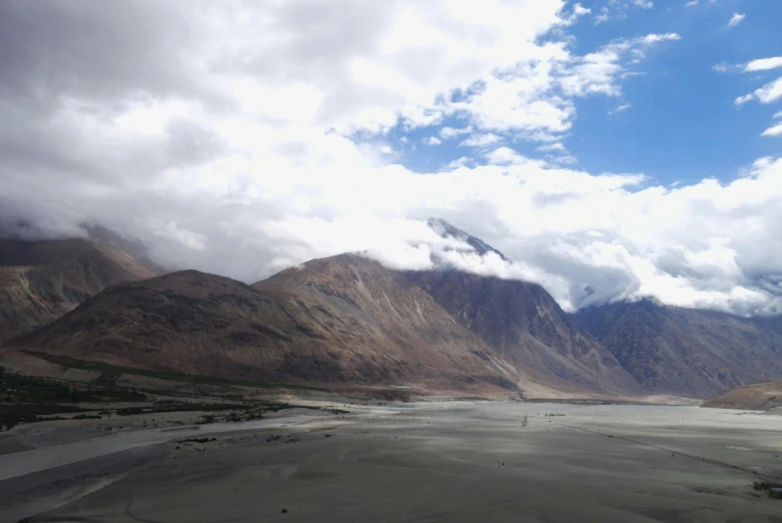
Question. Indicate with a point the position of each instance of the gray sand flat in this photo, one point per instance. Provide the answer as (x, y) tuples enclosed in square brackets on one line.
[(462, 462)]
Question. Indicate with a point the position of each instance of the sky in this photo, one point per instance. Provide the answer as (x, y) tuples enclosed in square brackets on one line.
[(612, 149)]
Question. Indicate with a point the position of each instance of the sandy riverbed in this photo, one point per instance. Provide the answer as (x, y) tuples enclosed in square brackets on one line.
[(432, 462)]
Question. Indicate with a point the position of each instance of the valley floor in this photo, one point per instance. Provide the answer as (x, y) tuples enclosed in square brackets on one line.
[(425, 462)]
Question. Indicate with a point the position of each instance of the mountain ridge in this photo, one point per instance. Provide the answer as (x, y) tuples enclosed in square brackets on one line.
[(686, 351), (348, 319), (281, 331)]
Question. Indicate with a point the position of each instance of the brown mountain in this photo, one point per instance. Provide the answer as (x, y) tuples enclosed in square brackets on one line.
[(525, 326), (686, 351), (340, 320), (41, 280), (766, 395)]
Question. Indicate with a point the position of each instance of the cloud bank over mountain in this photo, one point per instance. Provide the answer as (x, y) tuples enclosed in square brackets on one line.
[(242, 138)]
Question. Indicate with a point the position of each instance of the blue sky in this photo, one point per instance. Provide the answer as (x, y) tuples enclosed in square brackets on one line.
[(681, 124)]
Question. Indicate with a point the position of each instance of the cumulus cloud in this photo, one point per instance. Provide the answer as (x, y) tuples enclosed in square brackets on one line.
[(505, 156), (771, 92), (763, 64), (249, 137), (774, 130)]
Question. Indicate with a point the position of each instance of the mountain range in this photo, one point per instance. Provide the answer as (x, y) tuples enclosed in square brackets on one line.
[(340, 320), (348, 321)]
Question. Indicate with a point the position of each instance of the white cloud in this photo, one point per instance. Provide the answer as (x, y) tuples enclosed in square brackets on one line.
[(598, 72), (433, 140), (654, 38), (551, 147), (558, 154), (604, 16), (234, 140), (534, 97), (619, 9), (481, 140), (763, 64), (691, 3), (450, 132), (577, 12), (692, 245), (771, 92), (505, 156), (565, 160), (736, 19), (462, 161), (774, 130)]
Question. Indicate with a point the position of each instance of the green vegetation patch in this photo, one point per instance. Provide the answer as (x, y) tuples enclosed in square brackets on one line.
[(25, 399), (32, 389), (11, 414), (99, 366)]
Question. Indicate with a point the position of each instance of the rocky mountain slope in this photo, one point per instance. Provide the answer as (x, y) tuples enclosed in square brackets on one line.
[(41, 280), (685, 351), (524, 325), (340, 320), (766, 395)]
